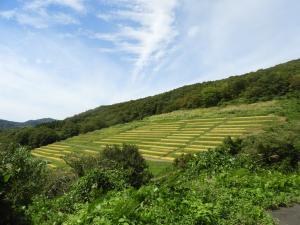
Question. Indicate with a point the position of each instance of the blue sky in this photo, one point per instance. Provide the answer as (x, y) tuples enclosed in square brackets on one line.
[(62, 57)]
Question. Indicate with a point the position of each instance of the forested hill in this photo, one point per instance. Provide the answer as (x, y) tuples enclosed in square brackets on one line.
[(264, 84), (255, 86), (5, 124)]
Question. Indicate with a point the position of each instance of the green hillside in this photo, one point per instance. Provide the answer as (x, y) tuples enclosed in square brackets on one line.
[(262, 85), (166, 136)]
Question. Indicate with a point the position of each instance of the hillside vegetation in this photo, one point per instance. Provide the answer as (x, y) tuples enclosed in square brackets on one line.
[(166, 136), (262, 85)]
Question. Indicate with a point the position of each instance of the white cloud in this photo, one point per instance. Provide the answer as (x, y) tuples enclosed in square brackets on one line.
[(63, 18), (41, 20), (9, 14), (77, 5), (36, 14), (150, 33)]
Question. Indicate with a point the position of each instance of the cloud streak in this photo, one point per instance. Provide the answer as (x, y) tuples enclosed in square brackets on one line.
[(36, 5), (36, 14), (150, 34)]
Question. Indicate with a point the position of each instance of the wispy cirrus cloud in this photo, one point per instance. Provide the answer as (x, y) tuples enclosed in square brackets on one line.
[(145, 29), (36, 14), (39, 20), (77, 5)]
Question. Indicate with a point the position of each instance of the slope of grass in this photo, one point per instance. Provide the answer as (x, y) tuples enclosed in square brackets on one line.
[(162, 138)]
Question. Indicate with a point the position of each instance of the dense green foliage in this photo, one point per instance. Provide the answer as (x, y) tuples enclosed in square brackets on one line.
[(21, 178), (125, 158), (233, 184), (261, 85)]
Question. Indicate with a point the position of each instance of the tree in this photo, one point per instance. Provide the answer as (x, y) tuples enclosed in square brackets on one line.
[(42, 136), (21, 178), (129, 158), (69, 129)]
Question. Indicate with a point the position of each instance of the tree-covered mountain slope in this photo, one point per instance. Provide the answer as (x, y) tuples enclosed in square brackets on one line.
[(262, 85), (5, 124)]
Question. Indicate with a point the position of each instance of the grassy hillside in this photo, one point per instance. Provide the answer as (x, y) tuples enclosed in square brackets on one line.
[(164, 137), (262, 85)]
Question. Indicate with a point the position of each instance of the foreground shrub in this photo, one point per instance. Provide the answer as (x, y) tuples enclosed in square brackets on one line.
[(81, 164), (115, 169), (90, 187), (278, 147), (27, 175), (129, 158), (59, 183), (21, 178), (125, 157)]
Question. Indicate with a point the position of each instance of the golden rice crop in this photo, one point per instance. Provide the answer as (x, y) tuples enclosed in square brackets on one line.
[(46, 154), (157, 147), (45, 149), (48, 157), (152, 152)]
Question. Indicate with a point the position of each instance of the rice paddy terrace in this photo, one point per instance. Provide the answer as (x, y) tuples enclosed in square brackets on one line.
[(163, 137)]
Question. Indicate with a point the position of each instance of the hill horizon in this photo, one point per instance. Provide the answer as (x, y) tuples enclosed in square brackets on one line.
[(187, 85), (262, 85), (7, 124), (156, 94)]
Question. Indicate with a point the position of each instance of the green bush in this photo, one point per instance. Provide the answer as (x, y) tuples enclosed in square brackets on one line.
[(95, 184), (59, 183), (21, 178), (278, 147), (126, 157), (81, 163), (129, 158), (27, 175)]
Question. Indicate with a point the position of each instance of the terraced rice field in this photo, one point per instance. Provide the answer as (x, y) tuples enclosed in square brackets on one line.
[(158, 140)]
